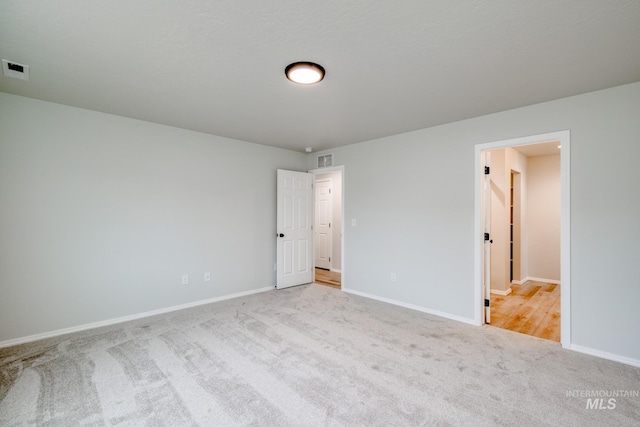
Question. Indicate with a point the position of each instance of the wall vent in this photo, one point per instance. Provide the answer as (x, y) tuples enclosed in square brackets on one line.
[(15, 70), (325, 161)]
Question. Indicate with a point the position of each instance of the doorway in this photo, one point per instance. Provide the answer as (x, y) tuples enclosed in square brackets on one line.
[(328, 220), (517, 268), (525, 201)]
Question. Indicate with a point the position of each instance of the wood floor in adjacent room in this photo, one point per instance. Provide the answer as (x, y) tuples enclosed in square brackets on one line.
[(328, 278), (532, 308)]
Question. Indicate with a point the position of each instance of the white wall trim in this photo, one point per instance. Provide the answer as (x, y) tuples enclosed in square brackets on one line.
[(499, 292), (605, 355), (536, 279), (565, 233), (565, 239), (335, 270), (109, 322), (413, 307)]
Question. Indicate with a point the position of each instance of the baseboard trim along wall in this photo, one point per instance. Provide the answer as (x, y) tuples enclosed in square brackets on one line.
[(110, 322), (412, 307), (605, 355), (502, 293), (535, 279), (335, 270)]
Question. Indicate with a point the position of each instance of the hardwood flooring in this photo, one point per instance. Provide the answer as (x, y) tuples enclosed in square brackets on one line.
[(532, 308), (328, 278)]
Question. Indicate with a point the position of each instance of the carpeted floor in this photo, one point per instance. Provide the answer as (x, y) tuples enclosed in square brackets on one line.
[(307, 356)]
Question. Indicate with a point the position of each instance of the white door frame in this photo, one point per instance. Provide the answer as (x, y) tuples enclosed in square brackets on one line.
[(565, 225), (486, 228), (342, 257)]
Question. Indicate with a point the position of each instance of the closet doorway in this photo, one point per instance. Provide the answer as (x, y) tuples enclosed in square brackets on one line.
[(523, 246)]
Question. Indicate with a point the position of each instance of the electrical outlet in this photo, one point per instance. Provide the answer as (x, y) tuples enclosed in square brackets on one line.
[(393, 277), (207, 277), (185, 279)]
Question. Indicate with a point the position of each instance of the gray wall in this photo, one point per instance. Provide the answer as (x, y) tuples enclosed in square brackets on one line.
[(101, 215), (413, 198)]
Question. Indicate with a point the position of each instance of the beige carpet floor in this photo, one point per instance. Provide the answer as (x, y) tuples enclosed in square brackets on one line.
[(307, 356)]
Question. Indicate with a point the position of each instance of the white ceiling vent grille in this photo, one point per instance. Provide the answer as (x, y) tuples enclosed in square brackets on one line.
[(325, 160), (15, 70)]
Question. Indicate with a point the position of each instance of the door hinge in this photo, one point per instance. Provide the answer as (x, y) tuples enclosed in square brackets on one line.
[(486, 302), (329, 259), (329, 191), (487, 169), (329, 225), (486, 236)]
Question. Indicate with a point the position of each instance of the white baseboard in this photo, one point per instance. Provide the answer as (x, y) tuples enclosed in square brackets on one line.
[(503, 293), (36, 337), (412, 307), (605, 355), (535, 279), (335, 270)]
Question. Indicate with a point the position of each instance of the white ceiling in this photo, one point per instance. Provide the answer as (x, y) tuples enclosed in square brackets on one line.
[(218, 66), (541, 149)]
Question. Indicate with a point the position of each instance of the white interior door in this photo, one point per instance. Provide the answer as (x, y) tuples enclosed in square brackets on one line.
[(322, 223), (294, 228), (487, 237)]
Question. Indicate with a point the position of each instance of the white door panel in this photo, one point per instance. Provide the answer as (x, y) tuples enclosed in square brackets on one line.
[(294, 233), (322, 225)]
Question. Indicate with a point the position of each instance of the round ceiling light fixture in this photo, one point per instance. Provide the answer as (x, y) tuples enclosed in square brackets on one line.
[(304, 73)]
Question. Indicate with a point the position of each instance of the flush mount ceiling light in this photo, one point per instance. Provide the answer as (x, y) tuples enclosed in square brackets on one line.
[(304, 73)]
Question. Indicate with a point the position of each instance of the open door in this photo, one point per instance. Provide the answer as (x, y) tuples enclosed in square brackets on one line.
[(322, 224), (487, 236), (294, 229)]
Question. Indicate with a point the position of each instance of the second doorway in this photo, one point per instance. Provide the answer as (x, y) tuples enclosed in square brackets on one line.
[(327, 227)]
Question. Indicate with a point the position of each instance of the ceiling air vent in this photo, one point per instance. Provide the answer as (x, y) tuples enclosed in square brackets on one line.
[(325, 160), (15, 70)]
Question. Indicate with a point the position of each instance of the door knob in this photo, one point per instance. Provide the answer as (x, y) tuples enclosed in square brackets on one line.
[(280, 235)]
